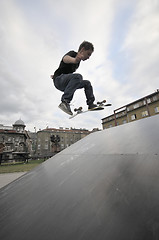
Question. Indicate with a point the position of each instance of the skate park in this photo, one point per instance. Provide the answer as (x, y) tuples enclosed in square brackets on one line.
[(105, 186)]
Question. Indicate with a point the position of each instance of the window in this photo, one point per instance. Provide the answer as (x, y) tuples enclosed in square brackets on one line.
[(46, 146), (21, 148), (148, 100), (8, 148), (62, 146), (156, 109), (144, 114), (136, 105), (133, 117), (155, 98)]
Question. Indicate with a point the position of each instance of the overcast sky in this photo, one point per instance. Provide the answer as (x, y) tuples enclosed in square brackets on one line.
[(35, 34)]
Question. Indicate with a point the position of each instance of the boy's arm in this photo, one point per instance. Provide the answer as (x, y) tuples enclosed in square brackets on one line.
[(68, 59)]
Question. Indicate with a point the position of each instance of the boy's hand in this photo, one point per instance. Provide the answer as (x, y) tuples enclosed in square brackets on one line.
[(79, 56)]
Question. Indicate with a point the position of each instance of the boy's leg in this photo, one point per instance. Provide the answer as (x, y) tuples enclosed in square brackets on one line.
[(68, 83), (88, 91), (76, 82)]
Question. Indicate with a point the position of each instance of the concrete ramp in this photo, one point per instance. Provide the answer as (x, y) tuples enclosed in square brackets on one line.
[(105, 186)]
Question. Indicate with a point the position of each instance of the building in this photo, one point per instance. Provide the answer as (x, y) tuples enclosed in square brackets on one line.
[(52, 140), (141, 108), (14, 142), (33, 144), (18, 144)]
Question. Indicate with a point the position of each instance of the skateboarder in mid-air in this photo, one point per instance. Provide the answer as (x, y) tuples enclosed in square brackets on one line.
[(68, 82)]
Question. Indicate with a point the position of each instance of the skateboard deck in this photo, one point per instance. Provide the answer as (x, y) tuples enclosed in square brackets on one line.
[(100, 106)]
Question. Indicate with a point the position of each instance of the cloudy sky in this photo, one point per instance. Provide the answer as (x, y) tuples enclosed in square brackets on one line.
[(35, 34)]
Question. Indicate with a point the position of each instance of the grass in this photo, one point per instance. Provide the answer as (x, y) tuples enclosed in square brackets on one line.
[(19, 166)]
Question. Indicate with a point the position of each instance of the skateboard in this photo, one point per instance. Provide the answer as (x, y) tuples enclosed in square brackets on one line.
[(100, 106)]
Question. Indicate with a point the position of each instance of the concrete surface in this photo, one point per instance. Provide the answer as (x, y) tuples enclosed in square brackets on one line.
[(105, 186), (6, 178)]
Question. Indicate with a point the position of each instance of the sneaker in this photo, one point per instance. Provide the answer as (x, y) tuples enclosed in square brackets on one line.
[(92, 106), (65, 106)]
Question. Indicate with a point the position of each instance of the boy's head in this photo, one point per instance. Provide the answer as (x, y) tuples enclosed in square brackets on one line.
[(86, 49), (87, 46)]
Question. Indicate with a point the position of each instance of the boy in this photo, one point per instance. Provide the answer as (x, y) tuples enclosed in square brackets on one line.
[(68, 82)]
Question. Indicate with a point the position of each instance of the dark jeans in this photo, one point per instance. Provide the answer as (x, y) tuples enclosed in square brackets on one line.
[(69, 83)]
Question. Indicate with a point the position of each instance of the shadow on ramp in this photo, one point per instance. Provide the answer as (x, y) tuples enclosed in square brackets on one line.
[(103, 187)]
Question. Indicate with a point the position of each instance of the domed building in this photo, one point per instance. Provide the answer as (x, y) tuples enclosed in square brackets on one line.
[(16, 142), (19, 126)]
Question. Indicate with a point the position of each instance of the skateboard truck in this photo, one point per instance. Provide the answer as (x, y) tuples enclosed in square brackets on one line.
[(101, 103), (78, 110)]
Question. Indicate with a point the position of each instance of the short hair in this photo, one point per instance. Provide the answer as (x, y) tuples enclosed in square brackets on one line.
[(86, 45)]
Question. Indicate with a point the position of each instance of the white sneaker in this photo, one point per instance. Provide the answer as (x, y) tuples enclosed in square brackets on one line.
[(64, 106)]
